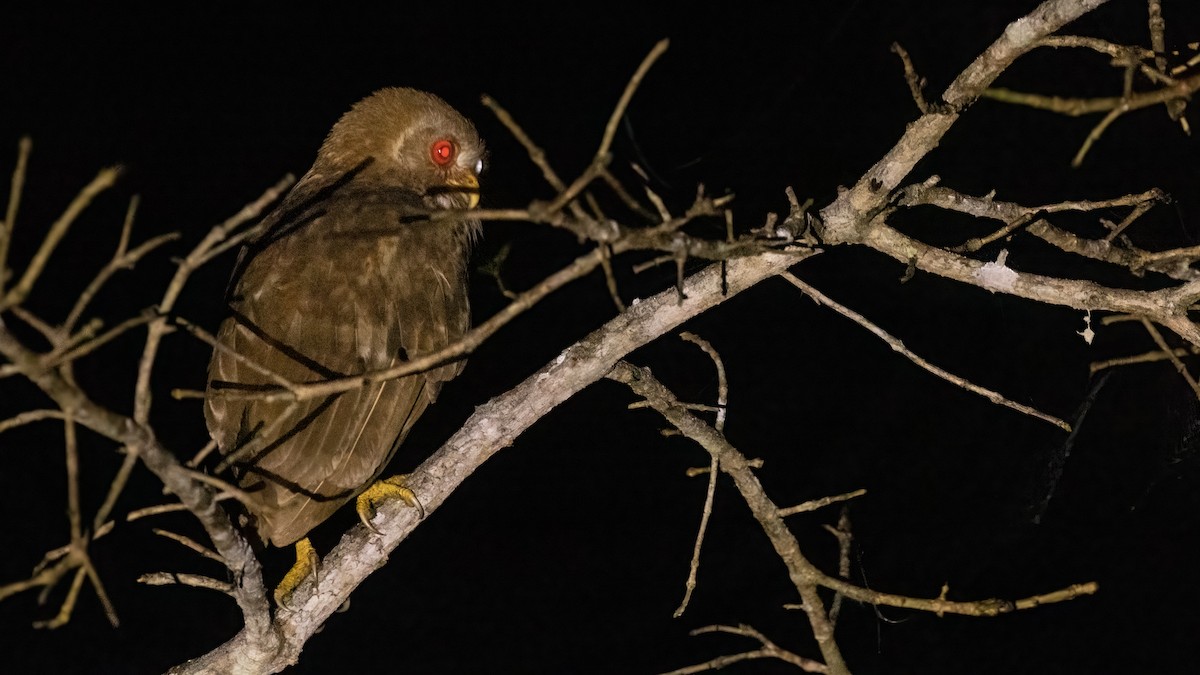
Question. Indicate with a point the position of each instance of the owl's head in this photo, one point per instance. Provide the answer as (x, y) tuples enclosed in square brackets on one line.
[(414, 140)]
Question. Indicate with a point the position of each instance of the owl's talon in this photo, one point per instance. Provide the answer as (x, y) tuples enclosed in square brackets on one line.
[(388, 488), (307, 563)]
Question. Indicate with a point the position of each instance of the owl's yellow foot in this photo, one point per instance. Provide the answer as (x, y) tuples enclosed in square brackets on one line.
[(388, 488), (307, 563)]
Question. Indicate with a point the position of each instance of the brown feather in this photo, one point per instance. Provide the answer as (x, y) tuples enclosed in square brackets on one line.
[(350, 276)]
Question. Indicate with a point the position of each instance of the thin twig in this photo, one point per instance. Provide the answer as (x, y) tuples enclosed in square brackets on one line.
[(110, 611), (30, 417), (535, 152), (814, 504), (626, 198), (768, 650), (57, 358), (845, 538), (898, 346), (689, 586), (203, 452), (193, 580), (610, 130), (14, 201), (211, 340), (1158, 42), (1170, 354), (601, 159), (115, 487), (73, 512), (160, 509), (68, 606), (722, 380), (1148, 357), (1075, 107), (189, 543), (916, 83), (103, 180), (610, 279), (224, 487), (121, 260), (52, 334), (1096, 133), (1121, 53), (706, 513)]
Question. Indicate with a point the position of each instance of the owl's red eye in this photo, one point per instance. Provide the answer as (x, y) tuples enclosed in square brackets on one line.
[(442, 152)]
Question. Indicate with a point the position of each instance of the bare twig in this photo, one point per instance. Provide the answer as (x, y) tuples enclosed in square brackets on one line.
[(916, 83), (1075, 107), (814, 504), (210, 340), (103, 180), (1165, 349), (189, 543), (601, 159), (68, 606), (1148, 357), (203, 452), (1121, 54), (52, 334), (768, 650), (536, 154), (1096, 132), (845, 538), (193, 580), (689, 586), (121, 260), (899, 347), (168, 508), (706, 513), (17, 186), (74, 353), (1158, 42), (30, 417), (1172, 263), (610, 130), (1172, 95)]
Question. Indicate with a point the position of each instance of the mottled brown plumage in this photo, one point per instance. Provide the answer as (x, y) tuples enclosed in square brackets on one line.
[(349, 276)]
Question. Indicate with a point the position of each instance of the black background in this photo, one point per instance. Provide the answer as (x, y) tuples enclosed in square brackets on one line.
[(568, 551)]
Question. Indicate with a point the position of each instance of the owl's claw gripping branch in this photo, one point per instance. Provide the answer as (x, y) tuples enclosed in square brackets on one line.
[(388, 488), (308, 563)]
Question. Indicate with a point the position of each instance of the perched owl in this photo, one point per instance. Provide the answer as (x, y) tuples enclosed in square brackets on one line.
[(349, 275)]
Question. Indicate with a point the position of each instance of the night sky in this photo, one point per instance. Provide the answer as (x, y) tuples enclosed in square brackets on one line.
[(567, 552)]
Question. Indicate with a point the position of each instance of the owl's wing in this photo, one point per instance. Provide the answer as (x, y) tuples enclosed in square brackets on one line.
[(354, 289)]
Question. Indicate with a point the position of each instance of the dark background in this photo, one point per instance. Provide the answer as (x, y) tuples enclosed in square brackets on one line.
[(568, 551)]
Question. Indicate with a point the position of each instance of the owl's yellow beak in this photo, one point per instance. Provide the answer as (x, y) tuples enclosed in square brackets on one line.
[(469, 184)]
